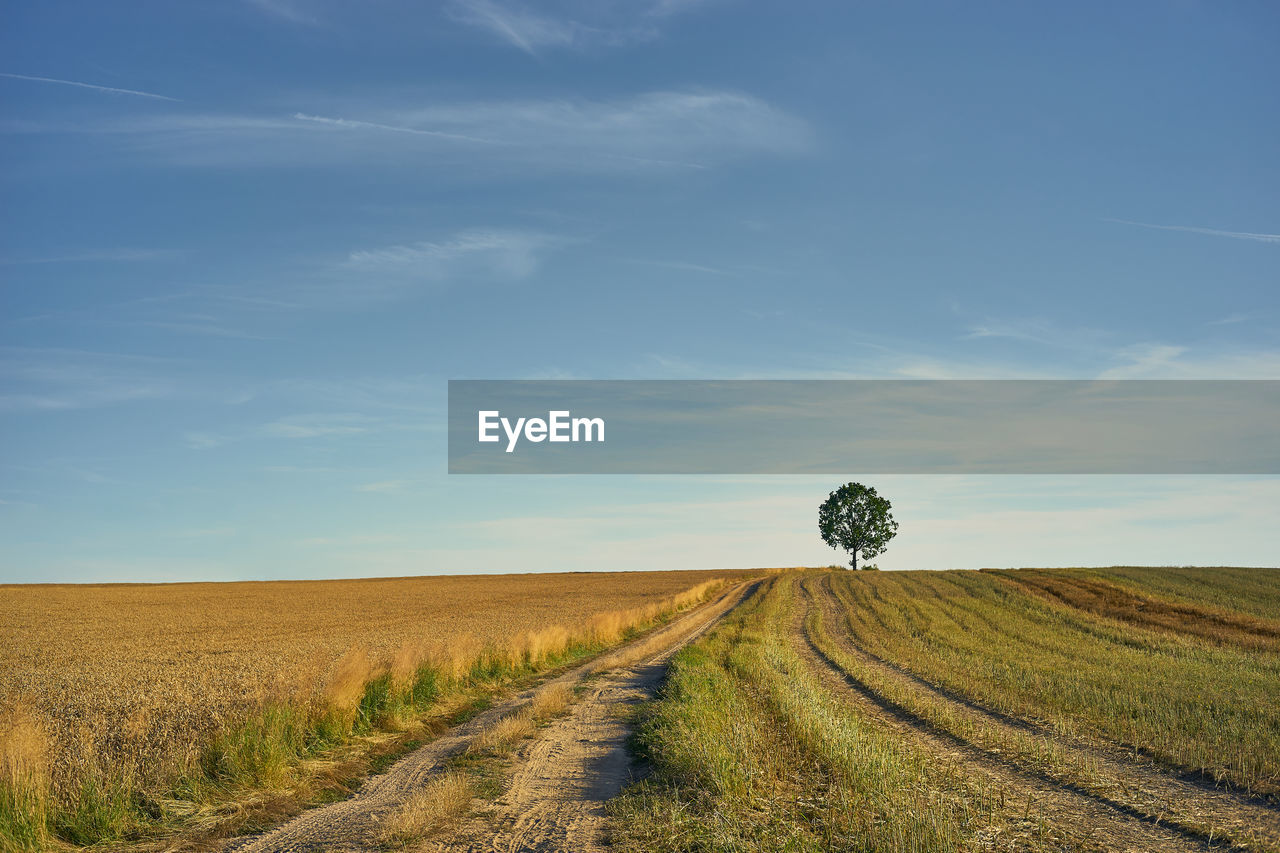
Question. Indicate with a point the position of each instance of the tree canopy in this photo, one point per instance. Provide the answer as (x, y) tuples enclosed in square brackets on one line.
[(854, 518)]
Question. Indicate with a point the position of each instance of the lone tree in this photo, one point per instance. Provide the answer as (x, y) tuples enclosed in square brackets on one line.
[(856, 519)]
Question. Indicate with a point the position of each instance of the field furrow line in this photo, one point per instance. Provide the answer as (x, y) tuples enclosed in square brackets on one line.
[(1101, 823), (1121, 760), (1140, 788)]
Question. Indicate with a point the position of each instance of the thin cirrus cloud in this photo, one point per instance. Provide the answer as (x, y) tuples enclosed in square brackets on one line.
[(567, 25), (652, 130), (667, 127), (285, 10), (383, 487), (1167, 361), (1095, 353), (381, 274), (1213, 232), (294, 427), (111, 90), (370, 125), (318, 426), (505, 254), (45, 379), (521, 28), (682, 266), (106, 255)]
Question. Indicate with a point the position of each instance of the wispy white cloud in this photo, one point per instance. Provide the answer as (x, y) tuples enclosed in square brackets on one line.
[(1214, 232), (521, 28), (663, 8), (655, 129), (1143, 360), (199, 324), (106, 255), (383, 486), (293, 427), (1167, 361), (209, 312), (569, 25), (1039, 331), (1150, 360), (1097, 353), (204, 440), (504, 254), (388, 395), (51, 379), (371, 125), (286, 10), (318, 426), (111, 90), (664, 124), (680, 265), (651, 131)]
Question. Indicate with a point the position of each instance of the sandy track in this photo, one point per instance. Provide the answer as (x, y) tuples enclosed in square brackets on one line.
[(352, 824), (556, 795), (1088, 822), (1122, 778)]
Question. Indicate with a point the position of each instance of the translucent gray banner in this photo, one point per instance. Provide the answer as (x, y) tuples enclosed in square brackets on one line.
[(864, 426)]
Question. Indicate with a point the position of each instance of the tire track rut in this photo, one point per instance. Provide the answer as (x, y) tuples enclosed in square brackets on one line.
[(556, 795), (1138, 787), (1097, 824), (1125, 754)]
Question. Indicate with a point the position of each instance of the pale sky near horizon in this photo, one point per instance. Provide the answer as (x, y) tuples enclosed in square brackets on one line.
[(245, 243)]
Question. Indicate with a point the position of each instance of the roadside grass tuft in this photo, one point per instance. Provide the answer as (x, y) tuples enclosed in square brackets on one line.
[(104, 809), (24, 783), (503, 736), (259, 750), (552, 701), (428, 810)]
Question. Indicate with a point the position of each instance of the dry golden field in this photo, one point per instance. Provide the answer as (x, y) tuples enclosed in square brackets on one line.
[(136, 679)]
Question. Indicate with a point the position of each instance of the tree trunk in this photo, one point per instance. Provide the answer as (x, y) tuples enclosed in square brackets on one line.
[(854, 561)]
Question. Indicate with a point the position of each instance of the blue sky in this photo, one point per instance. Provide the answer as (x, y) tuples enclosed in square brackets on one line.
[(245, 244)]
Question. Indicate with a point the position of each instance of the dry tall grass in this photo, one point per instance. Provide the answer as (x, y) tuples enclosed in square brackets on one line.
[(131, 690), (504, 735), (430, 808), (552, 700)]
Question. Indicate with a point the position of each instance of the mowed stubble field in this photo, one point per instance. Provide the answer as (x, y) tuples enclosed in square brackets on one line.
[(1086, 709), (113, 695)]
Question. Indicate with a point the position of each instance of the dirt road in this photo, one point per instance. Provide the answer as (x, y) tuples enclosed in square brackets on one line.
[(556, 795)]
